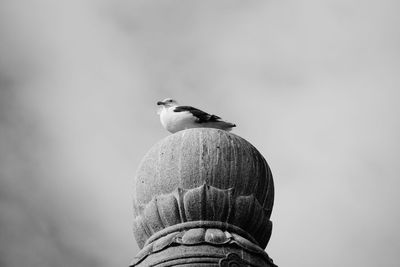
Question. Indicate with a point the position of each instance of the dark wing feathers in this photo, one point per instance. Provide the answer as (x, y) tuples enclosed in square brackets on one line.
[(199, 114)]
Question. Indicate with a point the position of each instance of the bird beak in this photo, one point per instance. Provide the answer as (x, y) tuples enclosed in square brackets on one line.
[(160, 103)]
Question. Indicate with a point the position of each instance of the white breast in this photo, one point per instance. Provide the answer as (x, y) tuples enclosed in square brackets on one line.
[(176, 121)]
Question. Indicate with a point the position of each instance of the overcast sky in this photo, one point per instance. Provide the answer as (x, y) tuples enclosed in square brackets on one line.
[(314, 85)]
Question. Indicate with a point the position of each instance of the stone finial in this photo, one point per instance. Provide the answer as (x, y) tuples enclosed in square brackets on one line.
[(203, 196)]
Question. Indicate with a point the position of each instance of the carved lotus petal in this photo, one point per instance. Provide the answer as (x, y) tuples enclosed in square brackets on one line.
[(193, 236), (204, 203), (216, 236)]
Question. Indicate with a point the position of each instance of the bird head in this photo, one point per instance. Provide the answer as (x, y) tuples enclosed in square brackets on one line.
[(168, 102)]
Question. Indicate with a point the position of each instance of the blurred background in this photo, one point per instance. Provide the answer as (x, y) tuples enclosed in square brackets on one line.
[(314, 85)]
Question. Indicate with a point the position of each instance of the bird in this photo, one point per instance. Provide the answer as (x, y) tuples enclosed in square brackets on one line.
[(176, 118)]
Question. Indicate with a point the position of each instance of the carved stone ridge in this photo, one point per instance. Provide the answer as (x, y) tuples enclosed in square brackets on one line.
[(190, 234)]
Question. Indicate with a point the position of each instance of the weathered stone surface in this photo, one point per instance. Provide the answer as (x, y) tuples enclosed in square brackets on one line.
[(233, 259), (202, 194), (190, 158)]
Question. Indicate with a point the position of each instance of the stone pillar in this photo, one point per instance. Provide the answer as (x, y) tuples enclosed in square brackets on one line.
[(203, 198)]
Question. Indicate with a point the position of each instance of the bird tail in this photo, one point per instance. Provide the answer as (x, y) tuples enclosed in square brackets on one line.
[(229, 126), (223, 125)]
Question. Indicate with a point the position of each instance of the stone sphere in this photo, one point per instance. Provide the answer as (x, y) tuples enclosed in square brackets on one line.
[(203, 156)]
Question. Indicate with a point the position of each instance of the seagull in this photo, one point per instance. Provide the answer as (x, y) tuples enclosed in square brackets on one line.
[(176, 118)]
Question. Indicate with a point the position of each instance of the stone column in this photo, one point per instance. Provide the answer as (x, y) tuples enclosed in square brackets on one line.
[(203, 197)]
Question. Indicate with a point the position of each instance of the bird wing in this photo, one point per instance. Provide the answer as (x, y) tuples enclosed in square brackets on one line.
[(200, 115)]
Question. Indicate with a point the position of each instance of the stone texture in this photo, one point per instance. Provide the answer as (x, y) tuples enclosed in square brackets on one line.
[(201, 194), (193, 157)]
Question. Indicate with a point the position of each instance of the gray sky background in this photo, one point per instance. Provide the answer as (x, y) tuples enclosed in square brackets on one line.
[(314, 85)]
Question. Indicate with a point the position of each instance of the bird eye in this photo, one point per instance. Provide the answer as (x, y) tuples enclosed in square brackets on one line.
[(170, 100)]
